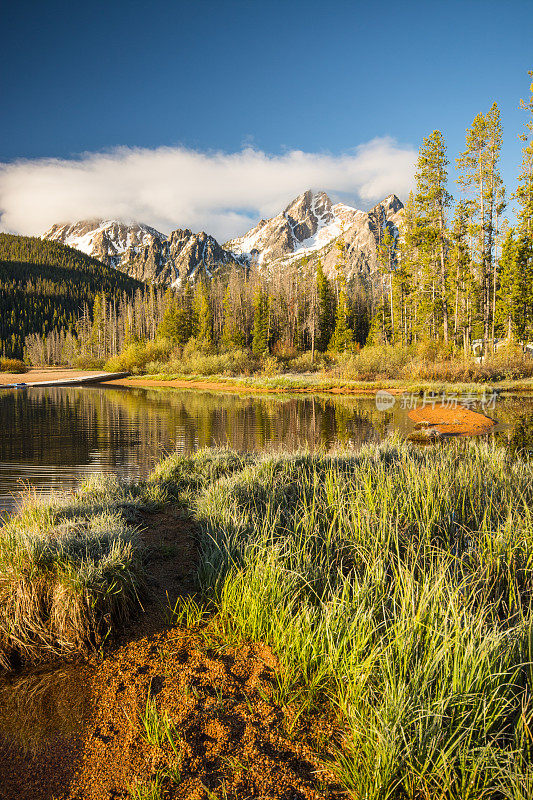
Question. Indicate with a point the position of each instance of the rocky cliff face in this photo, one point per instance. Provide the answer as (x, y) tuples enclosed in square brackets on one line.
[(311, 225), (106, 240), (143, 252)]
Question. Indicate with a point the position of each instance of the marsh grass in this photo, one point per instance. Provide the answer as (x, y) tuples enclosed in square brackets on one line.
[(395, 588), (394, 585), (71, 572)]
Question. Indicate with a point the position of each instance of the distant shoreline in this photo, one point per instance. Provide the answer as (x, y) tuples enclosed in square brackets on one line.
[(292, 383), (305, 384)]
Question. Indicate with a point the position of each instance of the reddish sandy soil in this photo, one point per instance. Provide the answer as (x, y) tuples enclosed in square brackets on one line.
[(48, 374), (232, 738), (457, 421)]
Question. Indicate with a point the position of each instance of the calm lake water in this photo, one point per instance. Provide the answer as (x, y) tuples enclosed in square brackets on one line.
[(51, 438)]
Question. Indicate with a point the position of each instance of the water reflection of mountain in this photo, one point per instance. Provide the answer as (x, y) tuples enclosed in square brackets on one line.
[(52, 437)]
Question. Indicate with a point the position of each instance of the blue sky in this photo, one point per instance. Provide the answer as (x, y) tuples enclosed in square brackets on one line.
[(277, 77)]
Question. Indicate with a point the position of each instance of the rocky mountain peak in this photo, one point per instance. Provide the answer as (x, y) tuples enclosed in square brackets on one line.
[(105, 239), (391, 204), (143, 252), (309, 227), (307, 212)]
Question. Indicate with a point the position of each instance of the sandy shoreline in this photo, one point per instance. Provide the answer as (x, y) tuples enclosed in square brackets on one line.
[(41, 375)]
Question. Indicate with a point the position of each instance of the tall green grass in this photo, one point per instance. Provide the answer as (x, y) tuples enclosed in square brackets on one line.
[(394, 586)]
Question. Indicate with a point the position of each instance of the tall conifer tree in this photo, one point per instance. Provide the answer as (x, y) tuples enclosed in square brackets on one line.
[(479, 175), (432, 200)]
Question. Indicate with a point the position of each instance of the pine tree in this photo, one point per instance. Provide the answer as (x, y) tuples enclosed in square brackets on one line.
[(169, 327), (342, 338), (233, 333), (97, 331), (204, 316), (515, 306), (405, 275), (461, 277), (524, 193), (387, 263), (479, 173), (432, 200), (178, 322), (325, 317), (261, 323)]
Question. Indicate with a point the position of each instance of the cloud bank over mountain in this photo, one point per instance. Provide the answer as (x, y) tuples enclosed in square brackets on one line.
[(171, 187)]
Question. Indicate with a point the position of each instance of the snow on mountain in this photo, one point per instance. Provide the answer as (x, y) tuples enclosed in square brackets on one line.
[(106, 240), (309, 226), (308, 223), (143, 252)]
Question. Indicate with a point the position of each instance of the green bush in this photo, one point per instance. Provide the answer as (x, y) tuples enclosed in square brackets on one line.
[(138, 354), (190, 361), (373, 363), (85, 361), (304, 363), (12, 365)]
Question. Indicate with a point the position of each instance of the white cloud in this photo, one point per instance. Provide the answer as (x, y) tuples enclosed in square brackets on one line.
[(222, 193)]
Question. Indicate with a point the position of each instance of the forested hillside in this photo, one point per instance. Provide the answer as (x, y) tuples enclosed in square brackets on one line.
[(45, 286)]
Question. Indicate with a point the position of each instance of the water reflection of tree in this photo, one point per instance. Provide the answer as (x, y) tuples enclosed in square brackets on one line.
[(127, 430), (515, 424)]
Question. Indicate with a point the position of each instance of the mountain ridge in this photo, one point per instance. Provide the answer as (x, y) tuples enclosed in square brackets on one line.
[(143, 252), (308, 227), (44, 286)]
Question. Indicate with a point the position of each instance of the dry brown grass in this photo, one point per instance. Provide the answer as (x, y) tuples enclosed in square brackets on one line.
[(13, 365)]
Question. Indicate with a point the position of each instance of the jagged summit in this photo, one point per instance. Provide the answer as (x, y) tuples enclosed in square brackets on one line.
[(142, 251), (310, 225), (104, 239), (309, 221)]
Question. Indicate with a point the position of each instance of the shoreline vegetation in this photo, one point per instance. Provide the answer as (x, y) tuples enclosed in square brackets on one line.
[(392, 588), (309, 384), (289, 382)]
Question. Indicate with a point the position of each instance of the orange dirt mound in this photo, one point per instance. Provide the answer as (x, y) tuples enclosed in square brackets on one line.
[(232, 736), (457, 421)]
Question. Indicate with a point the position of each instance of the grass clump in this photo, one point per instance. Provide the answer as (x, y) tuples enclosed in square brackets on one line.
[(71, 572)]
